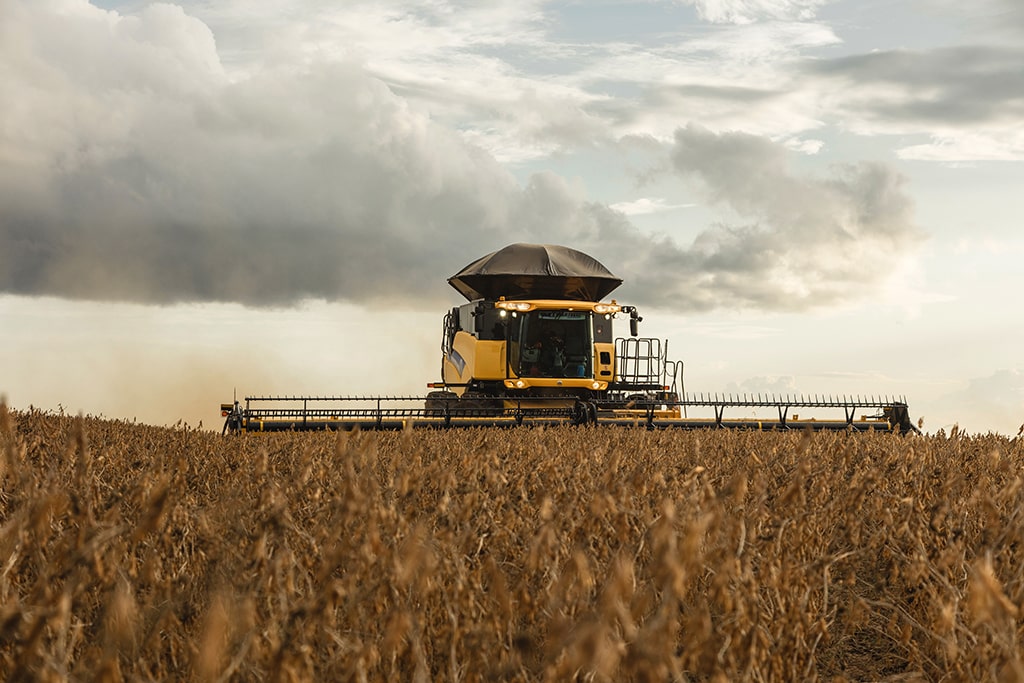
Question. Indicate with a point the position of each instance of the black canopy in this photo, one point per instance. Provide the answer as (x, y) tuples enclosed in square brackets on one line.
[(535, 271)]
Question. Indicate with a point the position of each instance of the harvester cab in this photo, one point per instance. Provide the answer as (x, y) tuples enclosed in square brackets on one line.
[(523, 348), (516, 350), (534, 344)]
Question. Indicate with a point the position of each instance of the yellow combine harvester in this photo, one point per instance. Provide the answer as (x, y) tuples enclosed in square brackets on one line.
[(534, 345)]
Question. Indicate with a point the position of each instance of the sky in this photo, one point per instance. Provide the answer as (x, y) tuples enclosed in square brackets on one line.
[(201, 200)]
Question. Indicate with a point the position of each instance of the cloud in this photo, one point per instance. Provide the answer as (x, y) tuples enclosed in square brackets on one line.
[(460, 61), (993, 19), (748, 11), (807, 241), (647, 205), (135, 170), (955, 85), (1012, 13), (506, 76), (967, 99), (136, 167), (751, 87)]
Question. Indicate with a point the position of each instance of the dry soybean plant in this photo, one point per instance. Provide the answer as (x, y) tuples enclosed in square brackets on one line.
[(130, 552)]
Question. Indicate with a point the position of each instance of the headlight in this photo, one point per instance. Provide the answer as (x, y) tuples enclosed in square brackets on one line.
[(520, 384), (514, 305), (607, 308)]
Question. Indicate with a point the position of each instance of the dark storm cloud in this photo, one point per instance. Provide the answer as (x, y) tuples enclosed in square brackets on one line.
[(950, 86), (132, 168)]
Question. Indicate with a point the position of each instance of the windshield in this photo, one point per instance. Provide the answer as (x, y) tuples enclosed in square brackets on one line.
[(552, 344)]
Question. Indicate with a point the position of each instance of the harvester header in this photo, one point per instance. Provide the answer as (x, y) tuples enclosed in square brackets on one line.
[(534, 345)]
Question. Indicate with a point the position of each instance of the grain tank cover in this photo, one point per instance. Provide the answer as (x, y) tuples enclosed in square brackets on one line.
[(535, 271)]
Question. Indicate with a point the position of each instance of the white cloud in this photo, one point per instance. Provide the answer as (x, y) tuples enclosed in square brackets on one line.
[(965, 145), (748, 11), (810, 241), (751, 86), (499, 74), (647, 205), (803, 145), (496, 72), (450, 59)]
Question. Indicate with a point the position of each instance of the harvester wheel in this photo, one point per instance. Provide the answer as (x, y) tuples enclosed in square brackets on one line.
[(440, 402), (584, 412), (476, 403)]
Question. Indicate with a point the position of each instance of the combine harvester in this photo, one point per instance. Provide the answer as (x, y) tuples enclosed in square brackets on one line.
[(534, 346)]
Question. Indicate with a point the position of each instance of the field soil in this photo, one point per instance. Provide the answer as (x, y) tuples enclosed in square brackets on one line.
[(130, 552)]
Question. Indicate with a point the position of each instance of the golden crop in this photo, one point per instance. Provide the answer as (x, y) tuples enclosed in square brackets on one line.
[(130, 552)]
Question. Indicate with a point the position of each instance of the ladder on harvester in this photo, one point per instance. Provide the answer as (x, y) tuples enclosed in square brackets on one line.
[(643, 366)]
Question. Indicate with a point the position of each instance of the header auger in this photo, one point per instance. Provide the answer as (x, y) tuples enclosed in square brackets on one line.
[(534, 346)]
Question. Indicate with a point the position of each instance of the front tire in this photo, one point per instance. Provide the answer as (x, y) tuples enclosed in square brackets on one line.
[(439, 403)]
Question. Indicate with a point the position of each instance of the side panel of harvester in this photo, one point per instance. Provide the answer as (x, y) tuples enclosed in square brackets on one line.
[(473, 348), (471, 359)]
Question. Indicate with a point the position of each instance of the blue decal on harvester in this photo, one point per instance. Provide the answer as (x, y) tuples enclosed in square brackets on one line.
[(457, 360)]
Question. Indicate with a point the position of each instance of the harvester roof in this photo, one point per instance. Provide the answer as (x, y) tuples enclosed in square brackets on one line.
[(535, 271)]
